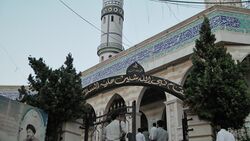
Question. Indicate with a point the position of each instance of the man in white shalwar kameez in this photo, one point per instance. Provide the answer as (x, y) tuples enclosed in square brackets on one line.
[(224, 135), (161, 134), (114, 130), (139, 136), (152, 132)]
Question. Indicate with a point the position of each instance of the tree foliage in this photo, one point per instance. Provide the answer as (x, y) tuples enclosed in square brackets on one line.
[(58, 92), (215, 88)]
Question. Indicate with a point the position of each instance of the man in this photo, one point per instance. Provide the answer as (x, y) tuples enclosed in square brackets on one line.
[(224, 135), (145, 133), (139, 136), (152, 132), (161, 134), (116, 130), (31, 131)]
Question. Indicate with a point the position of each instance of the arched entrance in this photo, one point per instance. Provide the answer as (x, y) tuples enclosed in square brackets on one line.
[(153, 106), (135, 76), (115, 103)]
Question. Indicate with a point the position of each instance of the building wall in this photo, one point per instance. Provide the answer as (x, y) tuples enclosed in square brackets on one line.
[(176, 73)]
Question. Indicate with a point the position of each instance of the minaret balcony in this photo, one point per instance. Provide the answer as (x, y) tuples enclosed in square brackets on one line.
[(109, 47)]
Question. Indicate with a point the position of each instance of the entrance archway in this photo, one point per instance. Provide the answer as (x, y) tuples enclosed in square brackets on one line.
[(135, 76), (114, 103), (153, 106)]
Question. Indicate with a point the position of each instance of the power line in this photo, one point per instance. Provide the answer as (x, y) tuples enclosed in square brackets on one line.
[(147, 10), (170, 10), (122, 33), (88, 21), (195, 2), (11, 60), (186, 5)]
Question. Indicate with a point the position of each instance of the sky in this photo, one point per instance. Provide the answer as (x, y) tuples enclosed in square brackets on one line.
[(49, 30)]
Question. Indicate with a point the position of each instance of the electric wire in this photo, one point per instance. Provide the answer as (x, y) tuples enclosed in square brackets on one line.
[(162, 11), (170, 10), (67, 6), (186, 5), (17, 68), (123, 35), (147, 11)]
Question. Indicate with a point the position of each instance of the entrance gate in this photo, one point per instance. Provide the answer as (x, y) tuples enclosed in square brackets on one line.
[(135, 76)]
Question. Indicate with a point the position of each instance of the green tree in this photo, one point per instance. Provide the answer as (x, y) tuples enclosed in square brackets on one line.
[(215, 88), (58, 92)]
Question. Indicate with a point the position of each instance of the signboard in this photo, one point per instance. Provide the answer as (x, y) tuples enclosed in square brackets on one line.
[(21, 122)]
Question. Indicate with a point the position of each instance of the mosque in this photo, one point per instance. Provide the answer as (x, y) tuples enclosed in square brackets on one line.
[(165, 55)]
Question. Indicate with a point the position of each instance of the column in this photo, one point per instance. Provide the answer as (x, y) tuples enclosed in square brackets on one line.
[(174, 109)]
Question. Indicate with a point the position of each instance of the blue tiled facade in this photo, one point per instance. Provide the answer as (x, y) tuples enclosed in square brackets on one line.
[(219, 20)]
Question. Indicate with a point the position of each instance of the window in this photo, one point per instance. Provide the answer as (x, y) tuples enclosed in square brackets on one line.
[(110, 56), (112, 18), (120, 20), (104, 20), (102, 58)]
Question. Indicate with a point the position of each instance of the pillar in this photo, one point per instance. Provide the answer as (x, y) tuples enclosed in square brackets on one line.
[(174, 112)]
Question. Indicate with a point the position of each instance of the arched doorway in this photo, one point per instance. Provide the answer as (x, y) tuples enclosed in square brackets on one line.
[(153, 107), (136, 76), (114, 104)]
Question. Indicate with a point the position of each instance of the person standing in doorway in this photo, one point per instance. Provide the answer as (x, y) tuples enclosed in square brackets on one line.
[(145, 133), (116, 129), (152, 132), (161, 134), (139, 135)]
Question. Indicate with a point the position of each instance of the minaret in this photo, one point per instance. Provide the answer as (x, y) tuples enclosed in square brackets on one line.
[(112, 17), (220, 2)]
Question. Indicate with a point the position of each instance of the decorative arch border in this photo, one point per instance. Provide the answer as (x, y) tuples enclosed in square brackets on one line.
[(135, 76)]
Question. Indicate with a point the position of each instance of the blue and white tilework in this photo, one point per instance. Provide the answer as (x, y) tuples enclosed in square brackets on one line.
[(219, 20)]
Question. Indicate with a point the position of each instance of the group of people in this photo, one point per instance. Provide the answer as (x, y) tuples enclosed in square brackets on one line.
[(116, 131), (157, 133)]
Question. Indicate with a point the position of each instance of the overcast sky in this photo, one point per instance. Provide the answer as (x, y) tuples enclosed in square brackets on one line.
[(47, 29)]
